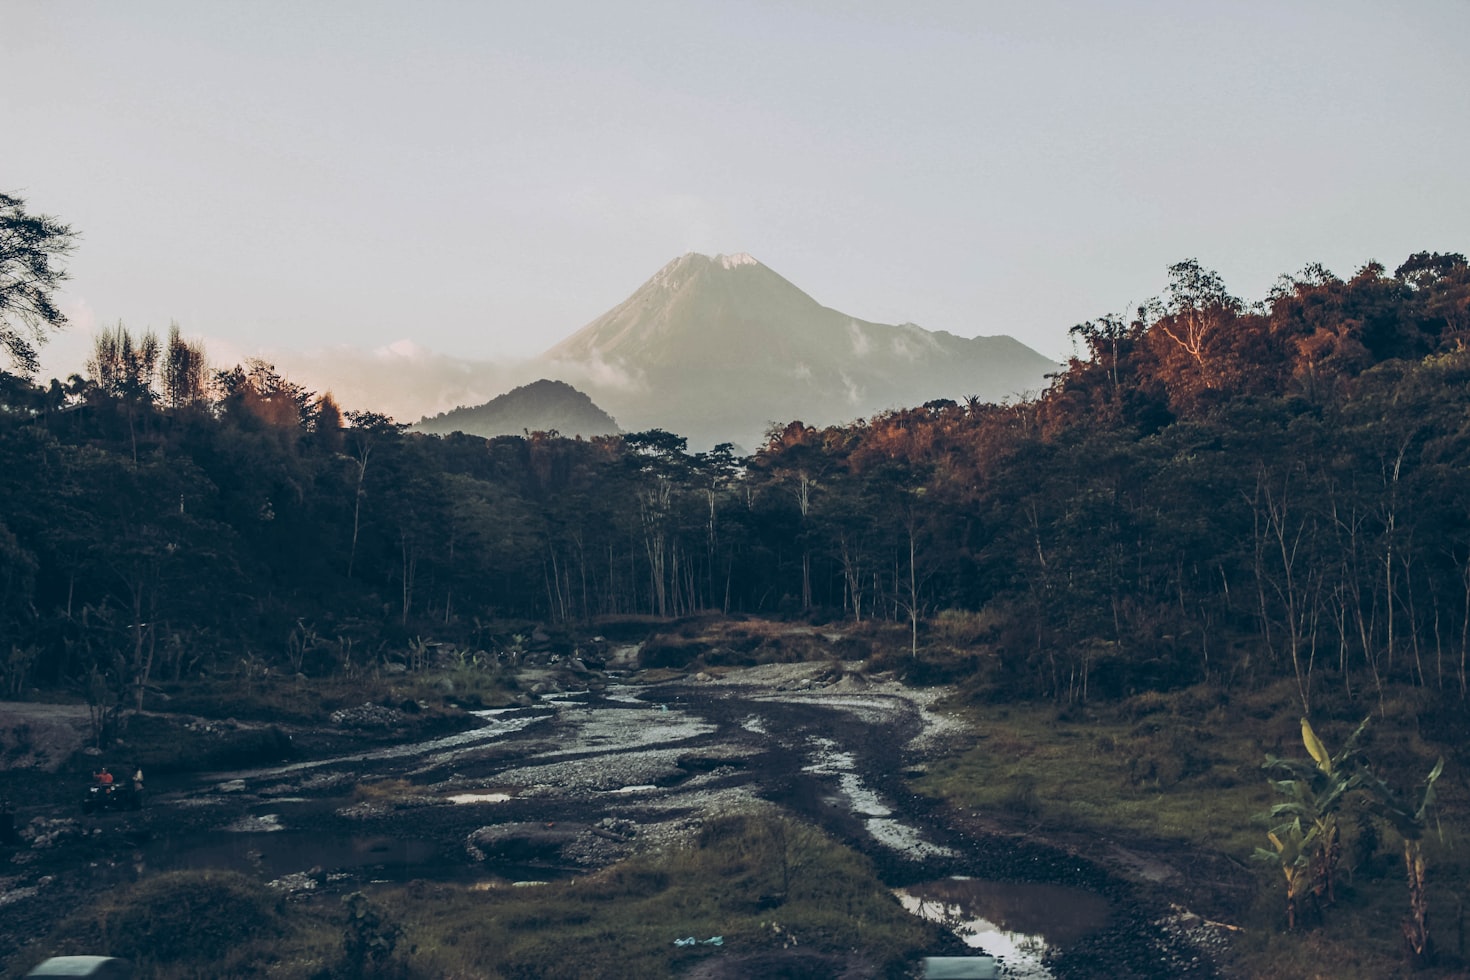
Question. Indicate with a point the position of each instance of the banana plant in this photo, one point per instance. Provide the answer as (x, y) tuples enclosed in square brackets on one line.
[(1409, 815), (1315, 791), (1292, 853)]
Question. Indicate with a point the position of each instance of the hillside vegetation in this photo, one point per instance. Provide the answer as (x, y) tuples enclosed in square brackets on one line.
[(1219, 515), (1209, 491)]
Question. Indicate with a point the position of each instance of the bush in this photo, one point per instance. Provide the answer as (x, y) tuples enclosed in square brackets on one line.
[(962, 627), (202, 919), (932, 666), (368, 940), (668, 652)]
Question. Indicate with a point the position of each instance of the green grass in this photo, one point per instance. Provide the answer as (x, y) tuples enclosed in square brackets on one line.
[(777, 879), (1184, 768), (297, 700), (759, 880), (182, 924)]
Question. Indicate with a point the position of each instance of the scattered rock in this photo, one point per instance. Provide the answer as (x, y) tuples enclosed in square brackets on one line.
[(9, 895), (43, 832), (294, 884), (218, 729), (265, 823), (367, 715)]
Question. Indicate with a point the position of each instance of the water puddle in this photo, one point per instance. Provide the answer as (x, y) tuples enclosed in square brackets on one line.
[(866, 804), (564, 699), (478, 798), (1019, 923)]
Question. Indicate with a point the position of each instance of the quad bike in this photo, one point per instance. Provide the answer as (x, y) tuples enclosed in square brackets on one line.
[(114, 796)]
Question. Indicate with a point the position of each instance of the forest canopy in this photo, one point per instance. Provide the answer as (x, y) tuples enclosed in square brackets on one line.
[(1210, 489)]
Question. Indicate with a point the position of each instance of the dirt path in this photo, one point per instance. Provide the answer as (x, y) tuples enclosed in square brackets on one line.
[(581, 780)]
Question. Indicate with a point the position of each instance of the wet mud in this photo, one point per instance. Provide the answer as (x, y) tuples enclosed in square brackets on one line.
[(583, 779)]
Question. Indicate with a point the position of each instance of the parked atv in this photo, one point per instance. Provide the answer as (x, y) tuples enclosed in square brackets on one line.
[(113, 796)]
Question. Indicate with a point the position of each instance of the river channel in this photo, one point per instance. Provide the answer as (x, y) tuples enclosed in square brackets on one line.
[(559, 787)]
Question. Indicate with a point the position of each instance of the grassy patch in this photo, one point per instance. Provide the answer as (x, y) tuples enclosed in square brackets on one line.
[(778, 879), (762, 882), (181, 924), (702, 643), (387, 791), (286, 699), (1184, 768)]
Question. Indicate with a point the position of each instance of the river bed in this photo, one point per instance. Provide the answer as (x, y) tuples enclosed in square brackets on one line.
[(582, 780)]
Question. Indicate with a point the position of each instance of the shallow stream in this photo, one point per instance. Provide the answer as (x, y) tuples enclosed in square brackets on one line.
[(583, 759)]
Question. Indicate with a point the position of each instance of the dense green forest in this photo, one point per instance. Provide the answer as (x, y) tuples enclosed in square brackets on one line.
[(1210, 489)]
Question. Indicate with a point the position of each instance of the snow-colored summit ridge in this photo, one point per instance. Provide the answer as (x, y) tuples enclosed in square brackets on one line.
[(677, 273)]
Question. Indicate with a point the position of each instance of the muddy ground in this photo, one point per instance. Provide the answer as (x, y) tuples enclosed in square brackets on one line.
[(580, 779)]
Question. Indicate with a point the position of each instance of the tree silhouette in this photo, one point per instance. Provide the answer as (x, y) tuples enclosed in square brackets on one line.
[(30, 245)]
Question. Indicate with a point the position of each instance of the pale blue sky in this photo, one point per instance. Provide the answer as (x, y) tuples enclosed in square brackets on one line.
[(486, 178)]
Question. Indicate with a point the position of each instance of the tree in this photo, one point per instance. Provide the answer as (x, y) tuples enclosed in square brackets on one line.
[(661, 466), (30, 244), (124, 369), (184, 371), (257, 391), (1408, 813), (368, 428), (123, 366), (327, 425), (1198, 312)]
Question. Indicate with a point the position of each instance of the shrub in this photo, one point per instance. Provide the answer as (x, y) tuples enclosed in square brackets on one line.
[(368, 940), (669, 652), (195, 917)]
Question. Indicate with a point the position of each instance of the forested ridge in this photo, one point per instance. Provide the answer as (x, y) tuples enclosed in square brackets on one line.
[(1210, 490)]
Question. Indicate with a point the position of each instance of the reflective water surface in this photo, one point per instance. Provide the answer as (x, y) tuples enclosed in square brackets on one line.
[(1018, 922)]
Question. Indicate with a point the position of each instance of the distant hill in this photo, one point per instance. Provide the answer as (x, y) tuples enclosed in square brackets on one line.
[(542, 406), (718, 348)]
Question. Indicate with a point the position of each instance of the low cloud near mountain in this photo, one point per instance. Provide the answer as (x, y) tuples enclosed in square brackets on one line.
[(403, 379)]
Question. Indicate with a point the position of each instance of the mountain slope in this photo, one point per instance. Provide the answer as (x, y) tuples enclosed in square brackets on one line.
[(542, 406), (719, 348)]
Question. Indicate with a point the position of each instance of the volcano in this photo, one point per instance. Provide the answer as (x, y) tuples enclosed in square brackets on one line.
[(721, 348)]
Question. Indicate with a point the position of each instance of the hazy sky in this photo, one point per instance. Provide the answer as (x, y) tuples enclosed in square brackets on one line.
[(485, 178)]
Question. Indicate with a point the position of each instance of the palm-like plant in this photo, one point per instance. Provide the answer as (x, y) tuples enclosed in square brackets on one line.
[(1408, 814), (1308, 844), (1292, 850)]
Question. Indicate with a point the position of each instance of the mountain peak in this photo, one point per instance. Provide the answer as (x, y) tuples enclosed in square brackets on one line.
[(541, 406), (693, 262), (716, 347)]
